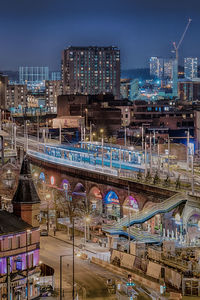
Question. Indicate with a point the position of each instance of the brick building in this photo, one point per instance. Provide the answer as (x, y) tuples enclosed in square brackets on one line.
[(97, 110), (91, 70), (20, 241)]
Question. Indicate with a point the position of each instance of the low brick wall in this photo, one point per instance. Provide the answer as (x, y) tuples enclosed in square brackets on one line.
[(141, 280)]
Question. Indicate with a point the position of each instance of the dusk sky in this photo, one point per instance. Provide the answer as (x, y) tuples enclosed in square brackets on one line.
[(34, 32)]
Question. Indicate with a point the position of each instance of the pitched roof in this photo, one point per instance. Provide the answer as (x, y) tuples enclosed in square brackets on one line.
[(26, 191), (9, 223)]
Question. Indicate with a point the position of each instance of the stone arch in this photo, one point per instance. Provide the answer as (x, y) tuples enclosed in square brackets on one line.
[(79, 190), (192, 231), (188, 212), (130, 205), (96, 199), (111, 203)]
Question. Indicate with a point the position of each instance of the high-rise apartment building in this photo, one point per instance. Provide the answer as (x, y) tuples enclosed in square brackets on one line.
[(16, 95), (53, 90), (156, 67), (33, 75), (168, 68), (190, 67), (91, 70), (161, 68)]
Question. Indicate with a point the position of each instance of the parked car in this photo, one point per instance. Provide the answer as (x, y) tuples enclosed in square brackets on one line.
[(44, 232)]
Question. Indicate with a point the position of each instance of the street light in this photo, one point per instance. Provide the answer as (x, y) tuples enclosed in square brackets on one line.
[(48, 196), (61, 256), (87, 220)]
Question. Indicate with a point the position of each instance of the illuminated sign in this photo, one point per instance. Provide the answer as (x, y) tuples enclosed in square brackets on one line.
[(52, 180), (111, 198), (42, 176)]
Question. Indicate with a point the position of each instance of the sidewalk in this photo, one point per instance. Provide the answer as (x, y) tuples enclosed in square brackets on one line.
[(92, 249)]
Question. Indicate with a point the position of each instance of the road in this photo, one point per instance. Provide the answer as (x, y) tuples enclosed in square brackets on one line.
[(90, 277)]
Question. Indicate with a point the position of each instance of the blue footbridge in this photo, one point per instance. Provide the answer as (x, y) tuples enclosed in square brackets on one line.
[(120, 227)]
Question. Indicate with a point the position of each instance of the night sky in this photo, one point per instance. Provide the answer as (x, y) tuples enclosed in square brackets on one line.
[(34, 32)]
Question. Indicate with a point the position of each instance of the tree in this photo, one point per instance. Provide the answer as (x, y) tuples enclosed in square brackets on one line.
[(178, 183), (156, 178), (148, 176), (139, 175), (167, 181)]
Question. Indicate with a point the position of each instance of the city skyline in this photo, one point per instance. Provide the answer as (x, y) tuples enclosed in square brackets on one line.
[(36, 33)]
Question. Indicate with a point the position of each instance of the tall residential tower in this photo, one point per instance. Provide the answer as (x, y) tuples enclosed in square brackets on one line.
[(91, 70), (190, 67)]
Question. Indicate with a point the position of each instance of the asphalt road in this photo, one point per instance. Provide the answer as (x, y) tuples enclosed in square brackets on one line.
[(90, 279), (89, 276)]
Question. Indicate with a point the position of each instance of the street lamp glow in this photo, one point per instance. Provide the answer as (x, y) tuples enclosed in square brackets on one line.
[(87, 219)]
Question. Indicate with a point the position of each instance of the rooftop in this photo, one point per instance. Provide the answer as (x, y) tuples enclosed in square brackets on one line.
[(26, 191), (9, 223)]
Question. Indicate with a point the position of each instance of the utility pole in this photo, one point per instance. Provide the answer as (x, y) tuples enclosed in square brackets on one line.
[(188, 141), (158, 157), (60, 134), (129, 219), (168, 152), (90, 132), (73, 282), (38, 132), (61, 277), (192, 174), (125, 136), (145, 156), (150, 154), (102, 149), (15, 134), (110, 155), (142, 138)]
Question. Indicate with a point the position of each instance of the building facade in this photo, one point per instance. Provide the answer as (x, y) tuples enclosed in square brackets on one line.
[(189, 89), (91, 70), (53, 89), (20, 242), (16, 95), (156, 67), (190, 67), (33, 75)]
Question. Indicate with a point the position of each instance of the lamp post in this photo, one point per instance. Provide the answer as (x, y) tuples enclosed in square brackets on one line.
[(125, 136), (168, 153), (48, 196), (73, 265), (87, 220), (102, 146)]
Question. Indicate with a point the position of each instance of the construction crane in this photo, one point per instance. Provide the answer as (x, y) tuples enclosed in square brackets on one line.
[(176, 47)]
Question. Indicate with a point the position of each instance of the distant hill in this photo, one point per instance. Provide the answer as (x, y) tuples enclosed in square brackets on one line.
[(136, 73), (12, 75)]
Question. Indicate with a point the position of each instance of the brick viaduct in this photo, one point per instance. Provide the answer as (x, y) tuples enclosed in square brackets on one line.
[(143, 193)]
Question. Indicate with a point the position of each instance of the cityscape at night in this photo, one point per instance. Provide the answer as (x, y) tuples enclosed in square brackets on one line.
[(99, 150)]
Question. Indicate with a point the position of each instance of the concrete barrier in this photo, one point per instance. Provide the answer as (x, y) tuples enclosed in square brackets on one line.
[(138, 278)]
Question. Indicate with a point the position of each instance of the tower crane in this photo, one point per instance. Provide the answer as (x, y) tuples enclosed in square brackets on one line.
[(176, 47)]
